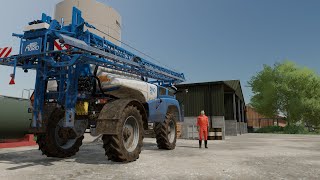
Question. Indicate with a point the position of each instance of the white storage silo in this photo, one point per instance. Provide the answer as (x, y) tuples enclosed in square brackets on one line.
[(98, 14)]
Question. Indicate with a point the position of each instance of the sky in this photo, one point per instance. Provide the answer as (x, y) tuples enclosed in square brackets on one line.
[(207, 40)]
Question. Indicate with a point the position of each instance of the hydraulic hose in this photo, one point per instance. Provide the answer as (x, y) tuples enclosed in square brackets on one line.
[(94, 89)]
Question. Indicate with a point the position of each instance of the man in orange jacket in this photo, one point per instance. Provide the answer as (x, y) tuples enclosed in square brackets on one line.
[(203, 125)]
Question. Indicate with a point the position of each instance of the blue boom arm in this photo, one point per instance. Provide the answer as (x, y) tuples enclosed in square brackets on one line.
[(67, 67)]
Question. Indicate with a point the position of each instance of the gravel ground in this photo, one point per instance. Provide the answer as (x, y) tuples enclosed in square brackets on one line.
[(249, 156)]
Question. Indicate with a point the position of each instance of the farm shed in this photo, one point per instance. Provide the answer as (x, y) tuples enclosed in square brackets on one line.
[(222, 101)]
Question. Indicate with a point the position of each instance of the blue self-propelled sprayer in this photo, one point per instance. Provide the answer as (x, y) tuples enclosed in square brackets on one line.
[(98, 87)]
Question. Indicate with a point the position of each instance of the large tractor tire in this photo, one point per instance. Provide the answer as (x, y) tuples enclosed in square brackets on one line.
[(126, 145), (166, 133), (54, 142)]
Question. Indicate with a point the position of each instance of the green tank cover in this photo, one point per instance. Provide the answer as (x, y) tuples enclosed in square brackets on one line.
[(14, 117)]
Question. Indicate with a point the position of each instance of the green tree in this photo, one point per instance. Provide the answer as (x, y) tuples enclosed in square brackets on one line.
[(287, 89)]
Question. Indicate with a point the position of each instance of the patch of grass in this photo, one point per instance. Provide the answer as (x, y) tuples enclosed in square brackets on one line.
[(290, 129), (294, 129), (270, 129)]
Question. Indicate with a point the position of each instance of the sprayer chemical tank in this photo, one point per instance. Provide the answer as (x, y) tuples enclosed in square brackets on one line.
[(98, 14), (14, 117)]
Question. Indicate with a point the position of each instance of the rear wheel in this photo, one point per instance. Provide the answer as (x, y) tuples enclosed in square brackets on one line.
[(166, 133), (126, 145), (57, 141)]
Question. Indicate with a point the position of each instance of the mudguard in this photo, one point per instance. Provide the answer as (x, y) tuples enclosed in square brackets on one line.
[(158, 109), (111, 113)]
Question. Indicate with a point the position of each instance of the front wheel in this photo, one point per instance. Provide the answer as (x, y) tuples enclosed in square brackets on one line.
[(126, 145), (166, 133), (56, 141)]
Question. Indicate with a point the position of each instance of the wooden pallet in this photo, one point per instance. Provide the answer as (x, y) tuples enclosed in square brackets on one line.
[(179, 130)]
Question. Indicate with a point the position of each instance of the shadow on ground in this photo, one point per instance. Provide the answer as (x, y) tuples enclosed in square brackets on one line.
[(88, 154)]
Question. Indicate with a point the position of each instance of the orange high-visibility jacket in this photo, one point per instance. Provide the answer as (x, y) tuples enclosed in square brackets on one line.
[(202, 121)]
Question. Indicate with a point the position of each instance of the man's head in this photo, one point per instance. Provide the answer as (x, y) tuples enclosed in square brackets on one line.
[(202, 112)]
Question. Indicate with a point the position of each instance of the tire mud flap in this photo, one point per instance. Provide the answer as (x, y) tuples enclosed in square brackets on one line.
[(110, 115), (107, 126)]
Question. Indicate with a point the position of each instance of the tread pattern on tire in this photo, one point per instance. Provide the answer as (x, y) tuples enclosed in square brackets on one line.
[(113, 144), (161, 131), (47, 143)]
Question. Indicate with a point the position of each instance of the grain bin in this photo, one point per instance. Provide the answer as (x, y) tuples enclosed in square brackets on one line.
[(98, 14), (14, 117)]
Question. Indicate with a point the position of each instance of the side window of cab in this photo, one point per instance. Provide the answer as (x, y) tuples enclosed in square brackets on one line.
[(162, 91), (171, 93)]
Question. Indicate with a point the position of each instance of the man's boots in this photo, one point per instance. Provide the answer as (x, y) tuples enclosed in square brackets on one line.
[(200, 142), (206, 143)]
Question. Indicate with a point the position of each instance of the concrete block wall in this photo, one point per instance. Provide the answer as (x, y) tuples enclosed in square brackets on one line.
[(242, 128), (245, 127), (231, 127), (188, 121), (217, 122)]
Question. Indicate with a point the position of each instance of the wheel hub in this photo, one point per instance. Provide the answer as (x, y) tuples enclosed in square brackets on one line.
[(130, 133), (126, 133)]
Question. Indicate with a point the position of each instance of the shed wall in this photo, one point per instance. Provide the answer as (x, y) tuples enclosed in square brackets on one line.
[(209, 98), (228, 106)]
